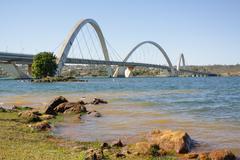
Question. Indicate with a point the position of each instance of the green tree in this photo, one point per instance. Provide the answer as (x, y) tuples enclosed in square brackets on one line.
[(44, 64)]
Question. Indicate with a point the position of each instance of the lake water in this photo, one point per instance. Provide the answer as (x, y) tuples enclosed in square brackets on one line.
[(207, 108)]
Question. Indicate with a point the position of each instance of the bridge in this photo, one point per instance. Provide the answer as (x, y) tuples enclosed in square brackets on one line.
[(9, 61)]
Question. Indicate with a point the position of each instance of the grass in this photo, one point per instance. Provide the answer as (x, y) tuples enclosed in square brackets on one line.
[(18, 141)]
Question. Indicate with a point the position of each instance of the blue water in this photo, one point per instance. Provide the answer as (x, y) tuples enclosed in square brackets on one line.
[(208, 108)]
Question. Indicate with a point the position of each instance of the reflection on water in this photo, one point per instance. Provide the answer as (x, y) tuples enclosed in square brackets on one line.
[(207, 108)]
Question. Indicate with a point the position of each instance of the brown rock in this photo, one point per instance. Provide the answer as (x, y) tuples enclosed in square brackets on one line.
[(82, 103), (53, 104), (44, 125), (142, 148), (120, 155), (191, 156), (75, 108), (125, 150), (95, 113), (105, 146), (94, 154), (178, 141), (117, 143), (222, 155), (70, 107), (46, 116), (203, 156), (98, 101), (30, 116)]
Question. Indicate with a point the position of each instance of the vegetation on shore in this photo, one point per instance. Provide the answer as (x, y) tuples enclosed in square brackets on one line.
[(19, 141), (58, 79), (26, 134)]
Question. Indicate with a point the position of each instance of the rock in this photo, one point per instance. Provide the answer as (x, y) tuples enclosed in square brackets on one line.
[(75, 108), (98, 101), (62, 107), (117, 143), (46, 116), (191, 156), (30, 116), (217, 155), (142, 148), (2, 109), (203, 156), (178, 141), (146, 148), (53, 104), (82, 103), (125, 150), (94, 154), (120, 155), (105, 146), (44, 125), (70, 107), (222, 155), (95, 113)]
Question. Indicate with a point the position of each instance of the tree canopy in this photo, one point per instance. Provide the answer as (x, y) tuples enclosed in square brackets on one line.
[(44, 64)]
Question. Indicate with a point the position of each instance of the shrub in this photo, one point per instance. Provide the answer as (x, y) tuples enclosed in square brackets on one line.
[(44, 64)]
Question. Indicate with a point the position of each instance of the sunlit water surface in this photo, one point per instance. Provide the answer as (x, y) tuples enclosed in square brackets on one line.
[(207, 108)]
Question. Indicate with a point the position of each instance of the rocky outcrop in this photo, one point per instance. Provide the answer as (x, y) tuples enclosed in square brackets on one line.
[(142, 148), (161, 142), (117, 143), (120, 155), (30, 116), (217, 155), (54, 103), (41, 126), (105, 146), (70, 107), (178, 141), (98, 101), (94, 154)]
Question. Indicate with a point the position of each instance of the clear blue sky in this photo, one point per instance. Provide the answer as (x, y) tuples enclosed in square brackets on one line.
[(206, 31)]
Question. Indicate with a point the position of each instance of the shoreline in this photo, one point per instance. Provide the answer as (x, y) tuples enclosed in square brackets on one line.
[(164, 122), (67, 139)]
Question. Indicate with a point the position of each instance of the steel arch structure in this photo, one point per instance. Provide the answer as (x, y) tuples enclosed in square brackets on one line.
[(116, 73), (63, 52), (181, 59), (155, 45)]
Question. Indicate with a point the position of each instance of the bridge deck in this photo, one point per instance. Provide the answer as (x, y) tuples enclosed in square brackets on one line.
[(27, 59)]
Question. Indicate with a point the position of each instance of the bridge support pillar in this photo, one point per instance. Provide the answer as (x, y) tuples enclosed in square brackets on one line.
[(128, 72), (30, 69), (109, 71), (13, 70), (173, 73), (119, 72)]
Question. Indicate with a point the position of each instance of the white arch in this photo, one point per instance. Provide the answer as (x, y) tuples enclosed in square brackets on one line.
[(120, 69), (154, 44), (181, 59), (63, 52)]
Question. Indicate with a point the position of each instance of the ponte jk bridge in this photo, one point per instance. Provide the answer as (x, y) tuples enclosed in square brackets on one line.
[(8, 61)]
